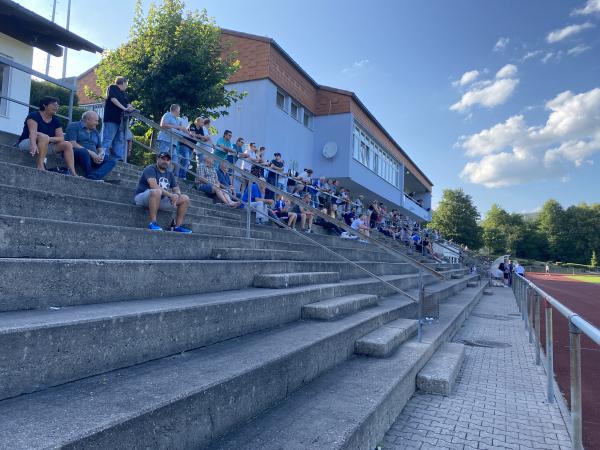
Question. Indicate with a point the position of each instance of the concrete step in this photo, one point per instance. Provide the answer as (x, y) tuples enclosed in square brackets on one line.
[(256, 254), (439, 374), (77, 281), (334, 308), (41, 348), (285, 280), (46, 238), (383, 341), (34, 203), (354, 404), (472, 284), (31, 178), (186, 400)]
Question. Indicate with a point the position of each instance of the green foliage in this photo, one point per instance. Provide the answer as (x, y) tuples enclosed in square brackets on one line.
[(40, 89), (173, 57), (554, 234), (456, 218)]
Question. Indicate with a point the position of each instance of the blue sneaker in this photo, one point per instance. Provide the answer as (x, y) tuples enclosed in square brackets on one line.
[(154, 226), (181, 229)]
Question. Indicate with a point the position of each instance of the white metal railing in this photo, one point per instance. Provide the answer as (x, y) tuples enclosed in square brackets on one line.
[(529, 299)]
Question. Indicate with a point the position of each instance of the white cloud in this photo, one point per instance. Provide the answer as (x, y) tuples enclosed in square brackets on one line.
[(467, 78), (578, 50), (489, 93), (357, 66), (501, 44), (515, 153), (530, 55), (549, 56), (508, 71), (591, 7), (563, 33)]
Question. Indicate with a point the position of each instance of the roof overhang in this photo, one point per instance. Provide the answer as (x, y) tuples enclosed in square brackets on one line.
[(32, 29)]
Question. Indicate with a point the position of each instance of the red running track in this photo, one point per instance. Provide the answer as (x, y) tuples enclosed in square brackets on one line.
[(583, 299)]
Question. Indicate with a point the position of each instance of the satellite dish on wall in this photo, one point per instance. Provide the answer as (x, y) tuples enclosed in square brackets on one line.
[(330, 150)]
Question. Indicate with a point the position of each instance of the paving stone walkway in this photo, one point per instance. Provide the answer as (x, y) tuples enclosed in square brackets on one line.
[(499, 399)]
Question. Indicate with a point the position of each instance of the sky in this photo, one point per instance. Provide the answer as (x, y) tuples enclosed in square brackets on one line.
[(498, 97)]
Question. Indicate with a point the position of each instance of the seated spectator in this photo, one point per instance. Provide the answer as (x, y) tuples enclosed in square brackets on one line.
[(87, 147), (350, 216), (208, 182), (360, 225), (329, 225), (158, 190), (358, 204), (306, 216), (282, 212), (225, 184), (416, 240), (275, 168), (257, 202), (43, 135), (224, 146)]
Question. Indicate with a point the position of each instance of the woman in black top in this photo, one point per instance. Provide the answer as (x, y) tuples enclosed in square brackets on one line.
[(43, 134)]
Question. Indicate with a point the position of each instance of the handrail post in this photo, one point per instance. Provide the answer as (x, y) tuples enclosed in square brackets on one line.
[(530, 314), (549, 352), (126, 151), (538, 343), (248, 213), (420, 305), (575, 353), (526, 308)]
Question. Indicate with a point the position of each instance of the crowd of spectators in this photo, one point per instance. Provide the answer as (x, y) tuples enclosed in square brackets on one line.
[(158, 187)]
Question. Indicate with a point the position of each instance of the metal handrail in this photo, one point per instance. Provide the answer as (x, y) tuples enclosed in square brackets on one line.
[(528, 297), (14, 100), (251, 178), (583, 325), (71, 88)]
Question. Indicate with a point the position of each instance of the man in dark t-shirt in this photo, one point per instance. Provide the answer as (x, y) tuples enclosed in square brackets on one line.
[(114, 106), (158, 190), (276, 166)]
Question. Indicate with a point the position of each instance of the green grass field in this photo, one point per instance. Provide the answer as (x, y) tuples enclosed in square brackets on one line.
[(586, 278)]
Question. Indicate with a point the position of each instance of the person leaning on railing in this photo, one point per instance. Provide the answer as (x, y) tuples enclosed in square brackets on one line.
[(43, 135)]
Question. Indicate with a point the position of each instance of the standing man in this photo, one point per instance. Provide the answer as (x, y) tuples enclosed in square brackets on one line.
[(224, 145), (116, 103), (87, 147), (547, 269), (275, 168), (158, 190)]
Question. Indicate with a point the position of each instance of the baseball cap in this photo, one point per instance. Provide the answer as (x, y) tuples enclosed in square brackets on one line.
[(164, 155)]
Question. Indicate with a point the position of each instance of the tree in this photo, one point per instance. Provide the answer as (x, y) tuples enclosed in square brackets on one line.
[(495, 229), (173, 57), (594, 261), (41, 89), (552, 224), (456, 218)]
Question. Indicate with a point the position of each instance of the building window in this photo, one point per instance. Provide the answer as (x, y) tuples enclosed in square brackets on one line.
[(307, 119), (372, 155), (4, 91), (295, 110), (281, 100)]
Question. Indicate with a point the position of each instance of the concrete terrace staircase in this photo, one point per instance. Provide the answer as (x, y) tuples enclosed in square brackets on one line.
[(114, 336)]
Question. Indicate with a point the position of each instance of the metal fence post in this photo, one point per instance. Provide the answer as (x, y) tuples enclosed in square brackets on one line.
[(526, 309), (538, 343), (575, 353), (248, 212), (549, 352), (126, 151), (420, 306)]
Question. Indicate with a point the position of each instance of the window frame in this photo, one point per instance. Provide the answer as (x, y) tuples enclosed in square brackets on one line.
[(284, 96), (5, 88)]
